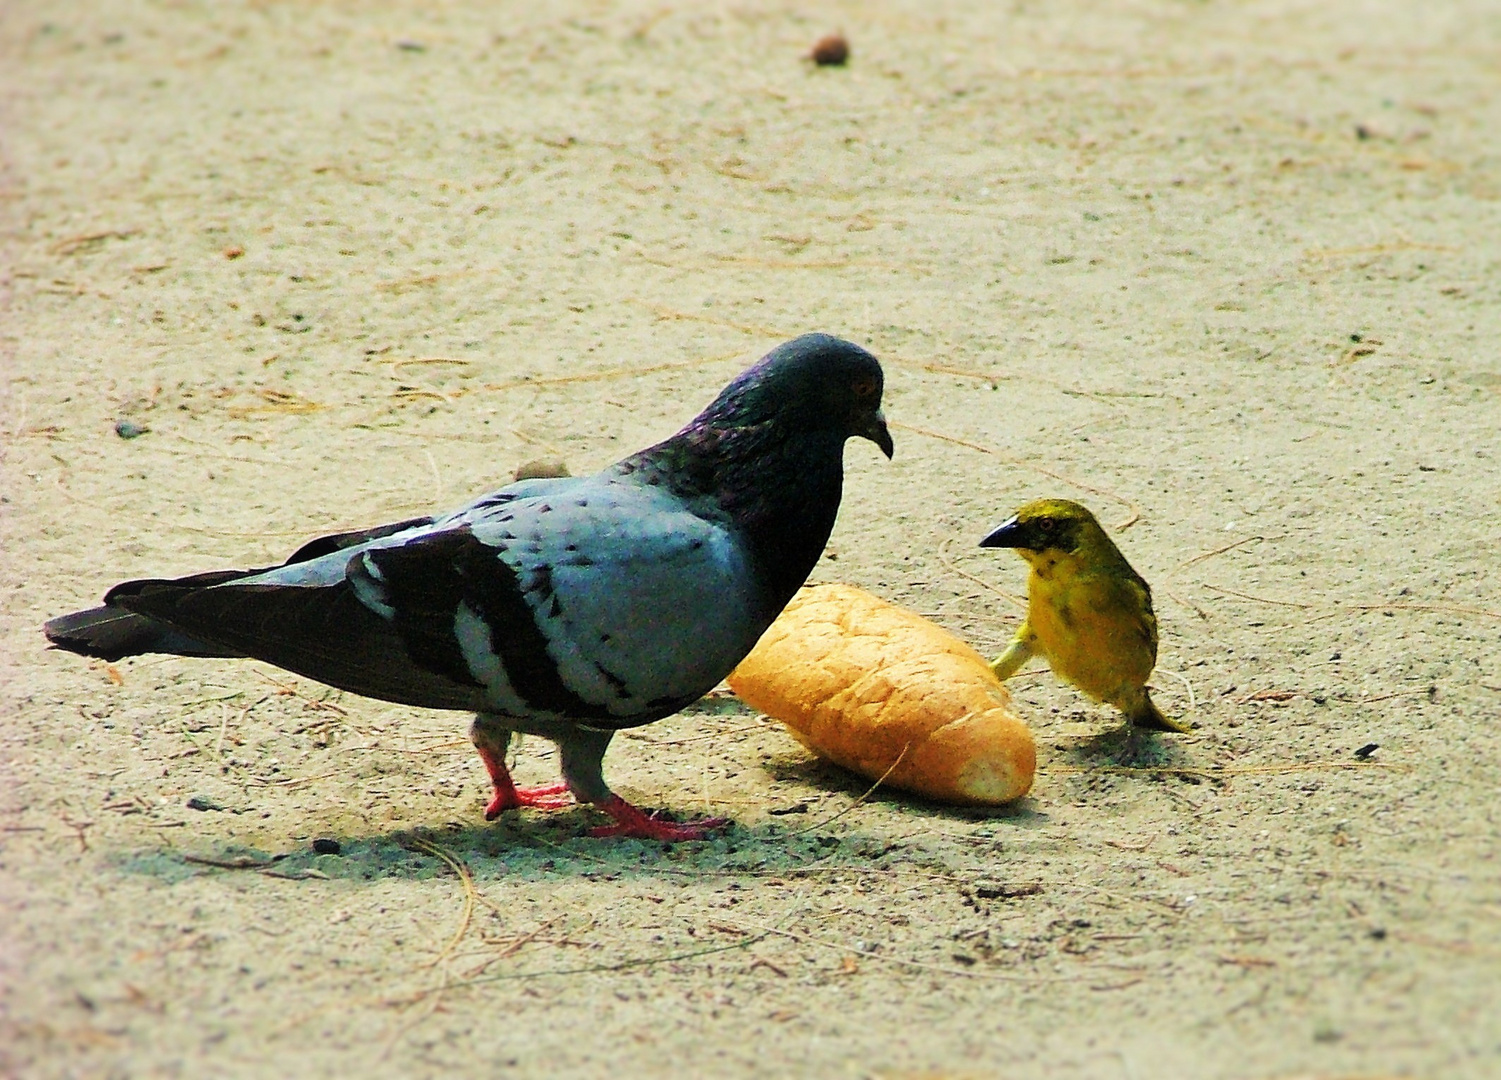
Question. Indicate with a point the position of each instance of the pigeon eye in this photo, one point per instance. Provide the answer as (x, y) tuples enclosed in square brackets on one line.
[(863, 388)]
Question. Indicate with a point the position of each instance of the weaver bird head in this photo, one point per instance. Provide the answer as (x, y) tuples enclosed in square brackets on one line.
[(1048, 528)]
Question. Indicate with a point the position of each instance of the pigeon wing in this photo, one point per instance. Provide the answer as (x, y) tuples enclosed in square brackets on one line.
[(597, 600), (607, 600)]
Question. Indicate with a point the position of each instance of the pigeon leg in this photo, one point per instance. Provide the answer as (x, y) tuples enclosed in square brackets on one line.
[(583, 757), (491, 740)]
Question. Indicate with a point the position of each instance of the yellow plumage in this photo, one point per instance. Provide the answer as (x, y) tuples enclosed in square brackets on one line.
[(1088, 613)]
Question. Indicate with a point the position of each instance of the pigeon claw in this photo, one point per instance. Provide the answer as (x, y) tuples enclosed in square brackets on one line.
[(630, 821), (510, 797)]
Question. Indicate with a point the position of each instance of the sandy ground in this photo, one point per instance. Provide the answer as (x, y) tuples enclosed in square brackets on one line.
[(1227, 271)]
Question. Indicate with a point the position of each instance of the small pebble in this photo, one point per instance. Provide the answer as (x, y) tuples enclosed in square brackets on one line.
[(1367, 750), (203, 802), (408, 45), (129, 429), (326, 846), (542, 469), (234, 251), (831, 51)]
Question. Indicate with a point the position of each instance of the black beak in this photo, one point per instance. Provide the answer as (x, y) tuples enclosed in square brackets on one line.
[(1008, 533), (875, 431)]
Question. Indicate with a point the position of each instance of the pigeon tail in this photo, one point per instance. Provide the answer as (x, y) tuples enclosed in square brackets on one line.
[(112, 633)]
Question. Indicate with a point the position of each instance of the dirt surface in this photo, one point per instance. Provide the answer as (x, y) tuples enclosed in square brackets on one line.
[(1226, 271)]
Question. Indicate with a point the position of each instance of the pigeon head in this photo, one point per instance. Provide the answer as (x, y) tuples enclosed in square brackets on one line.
[(768, 454), (815, 385)]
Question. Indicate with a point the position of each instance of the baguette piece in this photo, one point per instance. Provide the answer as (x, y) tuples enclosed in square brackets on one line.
[(875, 688)]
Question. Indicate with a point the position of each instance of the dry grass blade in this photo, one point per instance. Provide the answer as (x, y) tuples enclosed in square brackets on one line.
[(868, 793), (397, 365), (431, 748), (276, 401), (667, 313), (221, 452), (1193, 699), (1374, 249), (997, 376), (459, 867), (521, 941), (76, 243), (294, 781), (1312, 766), (1220, 772), (760, 724), (1257, 599), (724, 261), (612, 373), (1217, 551), (418, 392), (289, 690), (919, 965), (1441, 609), (1195, 608), (1132, 518), (1341, 609), (238, 862), (949, 565), (591, 969)]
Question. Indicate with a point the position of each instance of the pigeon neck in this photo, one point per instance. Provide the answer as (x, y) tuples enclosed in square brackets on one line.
[(787, 516), (779, 490)]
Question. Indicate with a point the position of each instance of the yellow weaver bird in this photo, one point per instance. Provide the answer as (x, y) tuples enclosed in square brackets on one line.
[(1088, 613)]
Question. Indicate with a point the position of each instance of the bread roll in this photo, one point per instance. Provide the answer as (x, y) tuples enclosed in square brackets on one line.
[(869, 685)]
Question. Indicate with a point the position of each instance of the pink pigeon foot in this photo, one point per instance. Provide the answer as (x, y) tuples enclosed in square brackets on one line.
[(630, 821), (509, 797), (551, 797)]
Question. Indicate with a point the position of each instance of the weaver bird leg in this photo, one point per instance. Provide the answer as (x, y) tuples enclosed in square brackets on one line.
[(1022, 648)]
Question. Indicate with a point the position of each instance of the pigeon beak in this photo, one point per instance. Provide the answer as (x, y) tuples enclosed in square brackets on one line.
[(875, 431), (1007, 534)]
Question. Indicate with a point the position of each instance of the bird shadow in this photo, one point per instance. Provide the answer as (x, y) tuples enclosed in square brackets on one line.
[(822, 777), (1124, 747), (806, 832), (526, 849)]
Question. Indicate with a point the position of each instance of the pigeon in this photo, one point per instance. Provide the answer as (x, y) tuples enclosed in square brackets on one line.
[(563, 607)]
